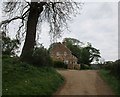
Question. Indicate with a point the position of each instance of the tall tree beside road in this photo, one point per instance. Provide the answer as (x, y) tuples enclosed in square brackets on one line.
[(32, 14)]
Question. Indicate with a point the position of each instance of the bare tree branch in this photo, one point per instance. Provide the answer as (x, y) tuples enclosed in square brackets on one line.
[(8, 21), (24, 14)]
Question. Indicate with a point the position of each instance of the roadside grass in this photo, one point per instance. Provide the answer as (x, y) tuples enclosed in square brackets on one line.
[(23, 79), (112, 81)]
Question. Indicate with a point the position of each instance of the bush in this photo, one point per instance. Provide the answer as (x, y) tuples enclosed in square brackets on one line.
[(95, 66), (116, 69), (41, 57), (108, 66), (9, 46), (59, 64), (84, 67)]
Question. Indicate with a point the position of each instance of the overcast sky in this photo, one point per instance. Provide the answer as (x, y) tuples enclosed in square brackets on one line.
[(97, 24)]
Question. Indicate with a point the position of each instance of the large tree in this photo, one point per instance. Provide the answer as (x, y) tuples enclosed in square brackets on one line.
[(89, 54), (85, 54), (32, 14)]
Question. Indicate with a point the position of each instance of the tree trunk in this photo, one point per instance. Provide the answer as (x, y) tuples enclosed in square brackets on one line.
[(28, 47)]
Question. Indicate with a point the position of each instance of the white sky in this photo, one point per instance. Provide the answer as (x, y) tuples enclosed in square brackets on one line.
[(97, 24)]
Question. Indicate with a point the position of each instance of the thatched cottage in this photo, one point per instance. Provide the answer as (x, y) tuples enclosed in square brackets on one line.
[(59, 52)]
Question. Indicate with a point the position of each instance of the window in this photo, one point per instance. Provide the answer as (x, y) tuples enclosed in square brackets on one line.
[(66, 61), (65, 53), (57, 54), (75, 62)]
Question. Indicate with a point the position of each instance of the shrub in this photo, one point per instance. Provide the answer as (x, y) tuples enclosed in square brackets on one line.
[(108, 66), (84, 67), (59, 64), (41, 57), (116, 68), (9, 46)]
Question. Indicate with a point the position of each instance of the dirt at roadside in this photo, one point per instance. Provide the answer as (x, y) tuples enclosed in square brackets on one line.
[(83, 82)]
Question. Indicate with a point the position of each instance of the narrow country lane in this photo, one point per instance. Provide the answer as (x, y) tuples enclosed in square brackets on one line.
[(83, 82)]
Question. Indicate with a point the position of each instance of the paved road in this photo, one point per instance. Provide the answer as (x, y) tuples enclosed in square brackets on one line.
[(83, 82)]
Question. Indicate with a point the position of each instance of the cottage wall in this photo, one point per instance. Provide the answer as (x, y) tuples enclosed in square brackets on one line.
[(59, 52)]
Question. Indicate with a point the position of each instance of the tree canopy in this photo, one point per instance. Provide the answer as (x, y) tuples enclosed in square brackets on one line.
[(85, 54)]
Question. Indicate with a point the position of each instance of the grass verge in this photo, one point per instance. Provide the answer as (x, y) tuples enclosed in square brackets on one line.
[(112, 81), (24, 79)]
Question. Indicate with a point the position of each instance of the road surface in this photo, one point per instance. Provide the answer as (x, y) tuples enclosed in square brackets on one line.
[(83, 82)]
